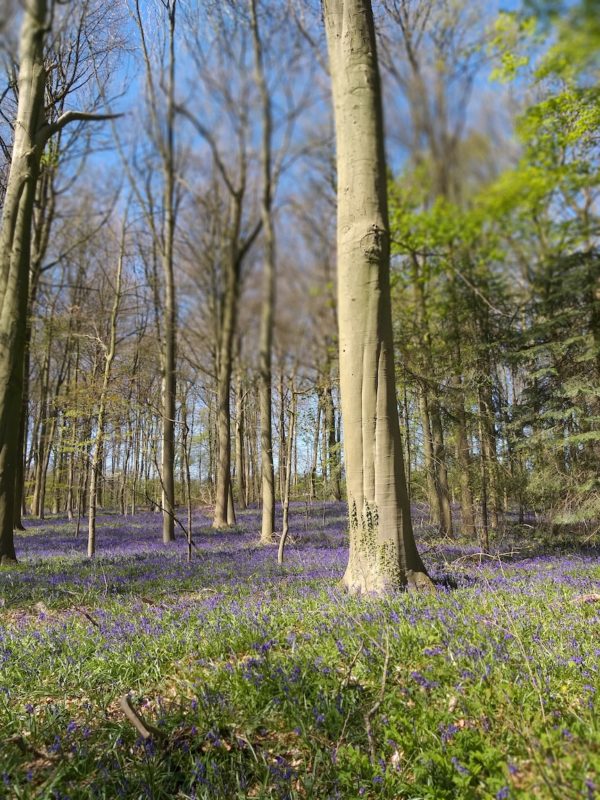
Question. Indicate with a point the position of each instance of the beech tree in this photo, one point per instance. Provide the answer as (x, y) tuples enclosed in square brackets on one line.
[(223, 77), (32, 132), (383, 554), (161, 111), (109, 356), (266, 320)]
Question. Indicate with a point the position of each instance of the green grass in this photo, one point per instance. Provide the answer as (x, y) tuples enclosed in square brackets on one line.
[(271, 686)]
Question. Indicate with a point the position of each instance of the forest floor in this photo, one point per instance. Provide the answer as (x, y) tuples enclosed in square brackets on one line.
[(260, 681)]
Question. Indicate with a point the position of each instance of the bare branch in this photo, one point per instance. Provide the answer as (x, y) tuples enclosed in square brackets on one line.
[(48, 131)]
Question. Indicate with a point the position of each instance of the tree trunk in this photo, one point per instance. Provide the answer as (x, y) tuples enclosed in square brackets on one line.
[(40, 452), (383, 554), (15, 239), (45, 462), (333, 467), (59, 469), (432, 495), (483, 463), (74, 454), (441, 470), (488, 453), (32, 132), (98, 446), (186, 437), (282, 438), (315, 453), (42, 222), (252, 470), (463, 457), (268, 300), (240, 461), (437, 473), (169, 352), (285, 499), (224, 514)]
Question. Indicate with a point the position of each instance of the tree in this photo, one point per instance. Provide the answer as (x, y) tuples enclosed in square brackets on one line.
[(222, 76), (434, 50), (109, 357), (31, 134), (383, 553), (162, 132), (546, 211), (268, 304)]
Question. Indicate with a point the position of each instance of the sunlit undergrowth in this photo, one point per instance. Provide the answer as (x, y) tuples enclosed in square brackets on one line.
[(268, 682)]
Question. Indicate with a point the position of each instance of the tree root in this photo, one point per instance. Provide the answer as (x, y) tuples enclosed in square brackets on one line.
[(419, 582)]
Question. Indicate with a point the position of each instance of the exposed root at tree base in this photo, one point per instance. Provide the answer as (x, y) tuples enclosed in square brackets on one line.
[(415, 582), (419, 582)]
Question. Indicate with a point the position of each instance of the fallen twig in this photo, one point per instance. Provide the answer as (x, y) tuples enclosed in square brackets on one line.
[(94, 622), (145, 730)]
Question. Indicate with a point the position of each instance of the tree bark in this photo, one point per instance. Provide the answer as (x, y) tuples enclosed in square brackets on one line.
[(15, 238), (333, 465), (315, 452), (240, 460), (441, 470), (435, 452), (268, 300), (42, 442), (383, 554), (432, 495), (43, 217), (282, 437), (169, 354), (224, 514), (488, 452), (285, 498), (96, 458)]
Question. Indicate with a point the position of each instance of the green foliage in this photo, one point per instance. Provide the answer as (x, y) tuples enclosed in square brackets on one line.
[(510, 275), (509, 38)]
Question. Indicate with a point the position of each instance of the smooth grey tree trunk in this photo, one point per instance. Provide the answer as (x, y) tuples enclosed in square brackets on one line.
[(463, 456), (237, 249), (315, 452), (285, 498), (383, 554), (240, 459), (488, 452), (435, 457), (222, 514), (169, 353), (97, 447), (333, 465), (441, 469), (432, 495), (282, 434), (268, 300), (42, 442)]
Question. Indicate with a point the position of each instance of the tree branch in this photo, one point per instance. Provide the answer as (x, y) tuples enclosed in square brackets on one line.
[(48, 131)]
